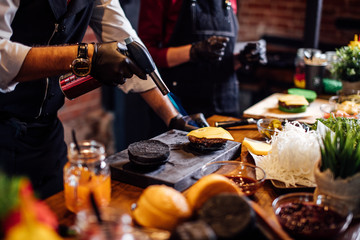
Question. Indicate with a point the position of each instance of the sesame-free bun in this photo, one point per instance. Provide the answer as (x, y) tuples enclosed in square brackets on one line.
[(148, 152), (207, 187), (163, 207)]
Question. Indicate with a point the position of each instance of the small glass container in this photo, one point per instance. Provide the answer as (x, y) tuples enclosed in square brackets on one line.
[(308, 216), (248, 177), (267, 127), (331, 58), (86, 172), (115, 225)]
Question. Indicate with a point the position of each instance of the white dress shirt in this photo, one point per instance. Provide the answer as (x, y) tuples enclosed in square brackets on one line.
[(108, 22)]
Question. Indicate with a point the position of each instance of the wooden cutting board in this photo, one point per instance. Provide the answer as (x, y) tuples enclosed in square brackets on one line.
[(183, 166), (268, 108)]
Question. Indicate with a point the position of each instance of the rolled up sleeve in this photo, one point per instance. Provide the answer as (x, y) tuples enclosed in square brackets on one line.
[(12, 55), (109, 23)]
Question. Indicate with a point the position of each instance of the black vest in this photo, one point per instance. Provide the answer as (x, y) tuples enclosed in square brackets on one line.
[(211, 88), (41, 23)]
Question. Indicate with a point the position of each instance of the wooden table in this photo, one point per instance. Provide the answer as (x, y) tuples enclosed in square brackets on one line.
[(124, 195)]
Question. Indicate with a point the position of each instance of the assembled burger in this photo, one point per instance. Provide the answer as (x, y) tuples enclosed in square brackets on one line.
[(293, 103)]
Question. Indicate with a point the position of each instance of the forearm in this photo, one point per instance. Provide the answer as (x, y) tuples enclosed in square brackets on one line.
[(43, 62), (178, 55), (160, 104)]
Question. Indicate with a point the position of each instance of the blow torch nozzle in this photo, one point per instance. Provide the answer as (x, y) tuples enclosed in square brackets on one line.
[(140, 55)]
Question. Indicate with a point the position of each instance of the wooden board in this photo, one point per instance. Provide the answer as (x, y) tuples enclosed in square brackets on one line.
[(268, 108), (182, 169)]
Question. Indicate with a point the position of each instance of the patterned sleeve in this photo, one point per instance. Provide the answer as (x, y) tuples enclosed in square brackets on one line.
[(152, 28)]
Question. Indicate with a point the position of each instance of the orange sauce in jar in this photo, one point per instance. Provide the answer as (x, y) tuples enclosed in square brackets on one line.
[(83, 175)]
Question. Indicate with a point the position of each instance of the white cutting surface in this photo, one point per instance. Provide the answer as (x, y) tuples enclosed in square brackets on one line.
[(268, 108)]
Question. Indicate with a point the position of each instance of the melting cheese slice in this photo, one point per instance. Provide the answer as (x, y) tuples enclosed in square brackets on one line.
[(257, 147), (293, 100), (211, 132)]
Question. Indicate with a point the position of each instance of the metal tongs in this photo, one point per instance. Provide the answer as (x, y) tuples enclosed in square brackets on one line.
[(241, 122)]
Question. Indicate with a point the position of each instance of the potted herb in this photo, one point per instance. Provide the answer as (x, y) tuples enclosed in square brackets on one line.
[(347, 66), (337, 174)]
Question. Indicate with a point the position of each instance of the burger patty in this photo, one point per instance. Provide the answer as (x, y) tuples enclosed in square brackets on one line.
[(207, 142), (283, 104)]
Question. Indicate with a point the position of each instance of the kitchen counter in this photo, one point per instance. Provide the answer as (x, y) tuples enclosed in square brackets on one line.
[(124, 195)]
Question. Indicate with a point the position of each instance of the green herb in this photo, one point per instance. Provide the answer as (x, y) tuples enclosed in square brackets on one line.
[(9, 191), (347, 66), (340, 151)]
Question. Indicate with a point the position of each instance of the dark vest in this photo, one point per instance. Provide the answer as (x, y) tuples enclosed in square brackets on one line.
[(41, 23), (31, 135), (211, 88)]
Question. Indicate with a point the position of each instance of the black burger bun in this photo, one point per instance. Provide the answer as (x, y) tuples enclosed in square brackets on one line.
[(209, 138), (228, 222), (148, 152), (293, 103)]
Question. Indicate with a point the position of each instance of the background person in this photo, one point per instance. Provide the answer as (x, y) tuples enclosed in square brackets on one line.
[(192, 43)]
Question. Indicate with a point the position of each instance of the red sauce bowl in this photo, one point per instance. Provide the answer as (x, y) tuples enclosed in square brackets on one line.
[(305, 216), (248, 177)]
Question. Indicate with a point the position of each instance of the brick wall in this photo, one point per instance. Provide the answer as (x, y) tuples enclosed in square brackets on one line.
[(334, 9), (286, 18)]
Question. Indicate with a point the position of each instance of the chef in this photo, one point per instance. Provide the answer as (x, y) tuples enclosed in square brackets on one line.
[(192, 43), (39, 41)]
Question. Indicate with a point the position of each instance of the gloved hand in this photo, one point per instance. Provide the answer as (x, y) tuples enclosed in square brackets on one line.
[(253, 54), (110, 66), (188, 123), (211, 49), (199, 119)]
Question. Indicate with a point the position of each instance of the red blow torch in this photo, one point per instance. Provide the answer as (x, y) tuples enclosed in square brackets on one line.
[(73, 86)]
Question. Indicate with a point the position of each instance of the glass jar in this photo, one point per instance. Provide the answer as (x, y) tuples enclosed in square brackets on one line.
[(115, 225), (331, 83), (299, 75), (86, 172)]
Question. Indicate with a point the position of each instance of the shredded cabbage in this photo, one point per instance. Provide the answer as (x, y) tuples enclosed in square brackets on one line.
[(293, 154)]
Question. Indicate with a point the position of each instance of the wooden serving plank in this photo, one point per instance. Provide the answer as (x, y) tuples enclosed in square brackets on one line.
[(182, 169), (268, 108)]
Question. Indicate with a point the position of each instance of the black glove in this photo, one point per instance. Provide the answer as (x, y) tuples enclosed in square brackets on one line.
[(188, 123), (211, 49), (253, 54), (110, 66), (199, 120)]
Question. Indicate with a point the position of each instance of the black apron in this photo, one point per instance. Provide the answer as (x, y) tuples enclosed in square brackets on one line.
[(35, 149), (31, 136), (210, 88)]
